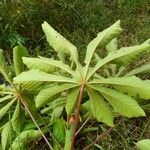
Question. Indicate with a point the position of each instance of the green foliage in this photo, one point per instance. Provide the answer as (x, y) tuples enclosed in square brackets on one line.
[(58, 87), (107, 94), (143, 144), (100, 109), (24, 138), (18, 53), (13, 135)]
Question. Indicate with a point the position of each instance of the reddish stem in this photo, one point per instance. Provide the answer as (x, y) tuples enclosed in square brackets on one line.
[(77, 116)]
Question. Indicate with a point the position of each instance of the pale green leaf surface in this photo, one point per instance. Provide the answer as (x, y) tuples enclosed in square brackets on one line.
[(71, 100), (40, 76), (5, 98), (60, 101), (45, 95), (18, 118), (147, 41), (139, 70), (59, 64), (131, 53), (100, 109), (58, 42), (4, 109), (121, 103), (102, 39), (57, 113), (131, 85), (4, 69), (19, 52), (36, 63), (123, 56), (112, 46), (143, 144)]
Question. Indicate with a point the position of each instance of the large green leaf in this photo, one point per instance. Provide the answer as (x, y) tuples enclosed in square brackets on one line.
[(143, 144), (24, 138), (46, 64), (71, 100), (121, 103), (59, 43), (100, 109), (18, 118), (102, 39), (139, 70), (46, 94), (39, 64), (40, 76), (19, 52), (4, 109), (131, 85), (4, 69), (123, 56)]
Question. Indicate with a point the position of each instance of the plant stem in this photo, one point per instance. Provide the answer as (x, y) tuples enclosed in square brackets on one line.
[(77, 115), (27, 109)]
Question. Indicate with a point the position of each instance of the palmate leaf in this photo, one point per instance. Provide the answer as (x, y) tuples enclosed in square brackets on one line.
[(19, 52), (4, 69), (102, 39), (59, 43), (46, 94), (130, 85), (40, 76), (4, 109), (71, 100), (24, 138), (140, 70), (18, 118), (100, 109), (123, 56), (143, 144), (46, 64), (121, 103)]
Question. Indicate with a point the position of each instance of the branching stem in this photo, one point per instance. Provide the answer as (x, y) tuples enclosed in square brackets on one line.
[(34, 121)]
